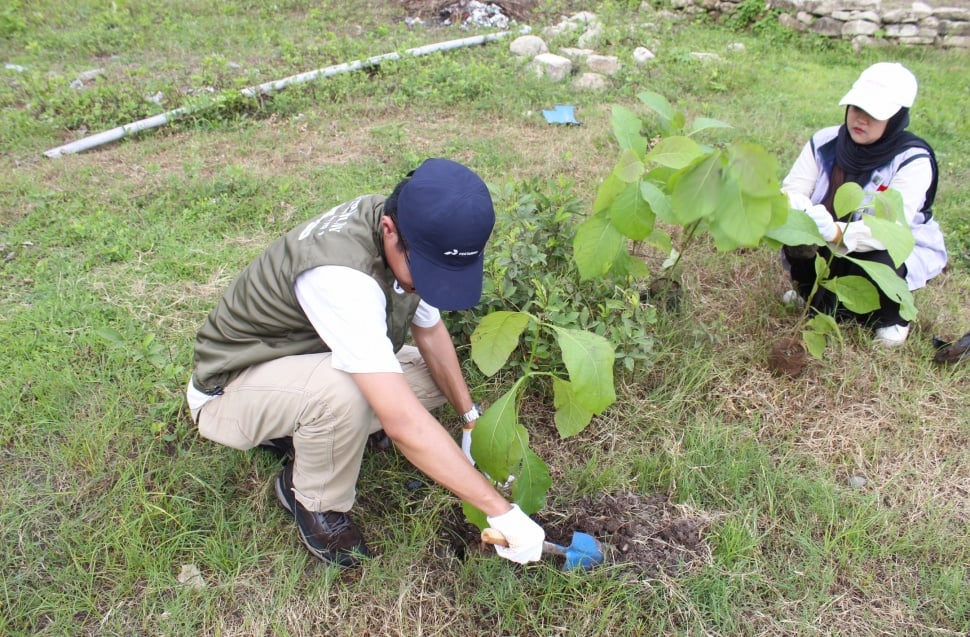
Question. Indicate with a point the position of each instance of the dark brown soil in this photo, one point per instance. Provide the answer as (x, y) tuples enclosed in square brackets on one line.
[(951, 353), (643, 536), (665, 292), (787, 357)]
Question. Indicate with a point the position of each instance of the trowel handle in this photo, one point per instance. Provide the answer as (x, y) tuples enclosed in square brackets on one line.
[(494, 536)]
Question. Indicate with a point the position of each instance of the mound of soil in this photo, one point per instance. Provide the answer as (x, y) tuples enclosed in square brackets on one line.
[(646, 536), (787, 357)]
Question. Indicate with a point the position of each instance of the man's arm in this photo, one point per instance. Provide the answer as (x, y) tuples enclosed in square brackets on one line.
[(439, 354), (425, 443)]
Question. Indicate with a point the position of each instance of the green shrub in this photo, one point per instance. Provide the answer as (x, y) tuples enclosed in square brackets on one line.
[(529, 268)]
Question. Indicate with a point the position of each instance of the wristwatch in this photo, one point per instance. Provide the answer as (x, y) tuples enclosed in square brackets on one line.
[(471, 415)]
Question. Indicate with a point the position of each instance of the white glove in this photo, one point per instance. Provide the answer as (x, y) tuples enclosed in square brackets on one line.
[(524, 536), (466, 444), (824, 221)]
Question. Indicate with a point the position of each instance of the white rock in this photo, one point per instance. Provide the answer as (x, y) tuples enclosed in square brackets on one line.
[(553, 66), (859, 27), (705, 57), (590, 82), (902, 30), (528, 46), (642, 55), (576, 54), (604, 64), (592, 35), (583, 17), (857, 482), (87, 76)]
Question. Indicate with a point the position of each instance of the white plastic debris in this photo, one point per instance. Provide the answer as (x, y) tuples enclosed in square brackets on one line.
[(191, 577)]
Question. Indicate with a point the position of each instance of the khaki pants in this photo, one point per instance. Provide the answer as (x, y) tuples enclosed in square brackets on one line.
[(321, 408)]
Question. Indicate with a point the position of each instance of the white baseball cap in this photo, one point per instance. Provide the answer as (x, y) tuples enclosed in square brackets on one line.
[(882, 90)]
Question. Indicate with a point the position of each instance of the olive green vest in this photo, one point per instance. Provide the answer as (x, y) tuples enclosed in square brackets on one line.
[(259, 318)]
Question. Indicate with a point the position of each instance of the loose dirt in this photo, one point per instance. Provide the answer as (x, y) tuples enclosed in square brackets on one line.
[(644, 536), (787, 357)]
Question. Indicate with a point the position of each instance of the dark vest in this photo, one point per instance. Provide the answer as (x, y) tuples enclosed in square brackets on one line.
[(259, 318)]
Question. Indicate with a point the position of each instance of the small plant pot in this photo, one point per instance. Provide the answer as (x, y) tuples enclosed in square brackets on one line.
[(788, 357), (664, 292)]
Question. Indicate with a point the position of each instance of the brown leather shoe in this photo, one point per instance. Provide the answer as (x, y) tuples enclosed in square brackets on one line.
[(330, 535)]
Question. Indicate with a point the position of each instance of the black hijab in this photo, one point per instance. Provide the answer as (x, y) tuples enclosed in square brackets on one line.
[(859, 160)]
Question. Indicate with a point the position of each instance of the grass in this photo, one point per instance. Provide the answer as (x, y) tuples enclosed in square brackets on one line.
[(113, 257)]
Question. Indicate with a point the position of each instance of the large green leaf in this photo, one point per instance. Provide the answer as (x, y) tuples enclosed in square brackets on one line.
[(660, 176), (495, 338), (695, 191), (658, 103), (798, 230), (674, 152), (571, 417), (816, 331), (626, 128), (897, 238), (473, 515), (607, 192), (891, 284), (630, 214), (705, 123), (659, 240), (724, 240), (628, 265), (628, 168), (743, 219), (754, 169), (496, 443), (779, 210), (657, 199), (848, 198), (814, 342), (856, 293), (596, 246), (888, 204), (589, 360), (531, 483)]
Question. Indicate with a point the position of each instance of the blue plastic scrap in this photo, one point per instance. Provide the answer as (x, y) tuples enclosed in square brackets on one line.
[(562, 114)]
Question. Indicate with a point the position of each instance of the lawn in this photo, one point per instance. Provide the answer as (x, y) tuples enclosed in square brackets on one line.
[(835, 503)]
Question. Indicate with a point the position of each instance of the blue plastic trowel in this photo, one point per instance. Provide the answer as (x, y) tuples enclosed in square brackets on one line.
[(584, 552)]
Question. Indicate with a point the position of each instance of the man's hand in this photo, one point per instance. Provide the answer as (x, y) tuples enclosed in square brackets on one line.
[(826, 224), (524, 536)]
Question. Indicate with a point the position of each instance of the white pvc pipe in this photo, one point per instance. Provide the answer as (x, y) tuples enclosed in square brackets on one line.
[(155, 121)]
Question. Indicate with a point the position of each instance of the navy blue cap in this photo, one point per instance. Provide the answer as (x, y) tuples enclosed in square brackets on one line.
[(446, 216)]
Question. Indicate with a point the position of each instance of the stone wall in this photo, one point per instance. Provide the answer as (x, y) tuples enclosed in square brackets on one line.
[(865, 22)]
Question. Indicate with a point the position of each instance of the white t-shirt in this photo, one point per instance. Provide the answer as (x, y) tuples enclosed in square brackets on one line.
[(346, 308)]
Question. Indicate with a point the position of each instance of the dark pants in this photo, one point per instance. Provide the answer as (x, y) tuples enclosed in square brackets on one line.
[(825, 301)]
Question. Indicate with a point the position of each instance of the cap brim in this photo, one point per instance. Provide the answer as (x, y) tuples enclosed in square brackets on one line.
[(878, 107), (447, 289)]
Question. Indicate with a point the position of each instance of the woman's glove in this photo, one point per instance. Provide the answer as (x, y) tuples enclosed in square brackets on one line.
[(524, 536), (826, 224)]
